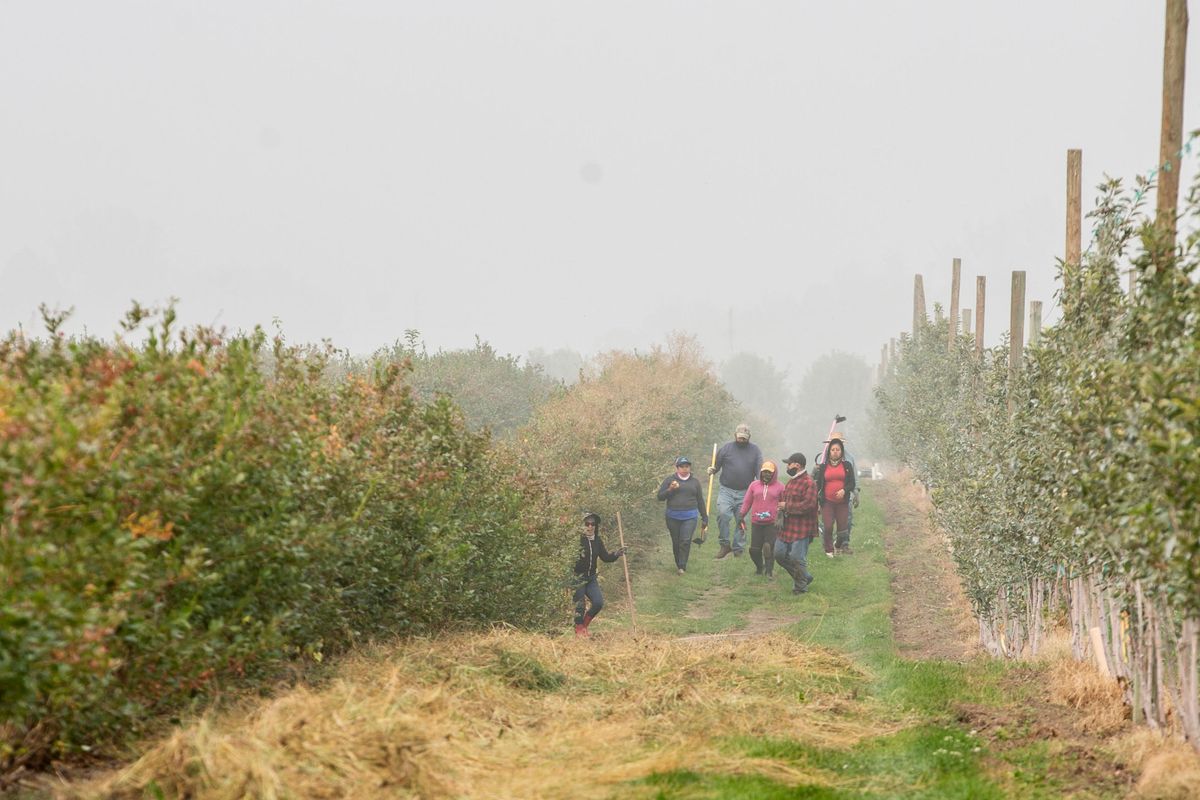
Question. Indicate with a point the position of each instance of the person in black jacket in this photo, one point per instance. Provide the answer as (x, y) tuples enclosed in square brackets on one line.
[(685, 504), (587, 587), (835, 481)]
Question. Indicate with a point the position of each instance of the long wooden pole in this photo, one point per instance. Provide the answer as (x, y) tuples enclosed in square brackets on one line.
[(1074, 249), (966, 315), (625, 563), (1171, 140), (980, 298), (708, 498), (955, 281), (1035, 321), (919, 317), (1016, 321)]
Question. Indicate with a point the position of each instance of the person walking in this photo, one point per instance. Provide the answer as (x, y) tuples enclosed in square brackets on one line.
[(685, 505), (835, 485), (762, 504), (799, 508), (739, 463), (843, 546), (587, 588)]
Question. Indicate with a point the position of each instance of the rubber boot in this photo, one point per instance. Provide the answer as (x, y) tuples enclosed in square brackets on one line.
[(587, 621), (581, 631)]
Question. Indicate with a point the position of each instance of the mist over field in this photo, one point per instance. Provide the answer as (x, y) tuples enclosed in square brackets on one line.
[(554, 176)]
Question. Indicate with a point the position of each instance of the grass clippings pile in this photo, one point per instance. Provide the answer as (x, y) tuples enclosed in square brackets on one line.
[(510, 714)]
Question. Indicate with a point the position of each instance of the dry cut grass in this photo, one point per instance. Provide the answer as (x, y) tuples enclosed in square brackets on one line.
[(510, 714)]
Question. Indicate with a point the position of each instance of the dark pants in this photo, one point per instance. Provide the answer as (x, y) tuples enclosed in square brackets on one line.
[(590, 591), (681, 531), (832, 513), (793, 556), (762, 546)]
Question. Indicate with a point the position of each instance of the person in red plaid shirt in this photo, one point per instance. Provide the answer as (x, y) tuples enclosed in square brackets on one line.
[(799, 507)]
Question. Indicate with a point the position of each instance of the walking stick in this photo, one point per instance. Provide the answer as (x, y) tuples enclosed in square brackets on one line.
[(625, 563), (708, 501)]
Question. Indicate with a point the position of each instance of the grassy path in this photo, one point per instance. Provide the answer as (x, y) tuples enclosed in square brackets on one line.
[(936, 754), (733, 688)]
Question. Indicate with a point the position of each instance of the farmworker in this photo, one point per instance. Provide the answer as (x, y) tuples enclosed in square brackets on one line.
[(835, 485), (587, 587), (738, 462), (843, 546), (762, 504), (799, 527), (685, 505)]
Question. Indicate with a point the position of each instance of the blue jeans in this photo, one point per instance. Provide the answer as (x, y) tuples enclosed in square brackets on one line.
[(793, 557), (681, 531), (729, 502), (591, 591)]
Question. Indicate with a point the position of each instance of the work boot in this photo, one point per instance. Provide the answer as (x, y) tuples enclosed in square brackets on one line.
[(725, 550)]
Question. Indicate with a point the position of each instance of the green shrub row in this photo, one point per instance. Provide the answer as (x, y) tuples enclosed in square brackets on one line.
[(196, 508)]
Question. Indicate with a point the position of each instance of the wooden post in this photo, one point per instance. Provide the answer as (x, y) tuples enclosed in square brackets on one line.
[(894, 359), (966, 315), (1074, 249), (1035, 321), (1016, 322), (919, 317), (1171, 140), (980, 297), (625, 563), (955, 280)]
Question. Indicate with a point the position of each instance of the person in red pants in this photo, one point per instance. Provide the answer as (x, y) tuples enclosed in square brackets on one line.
[(835, 485)]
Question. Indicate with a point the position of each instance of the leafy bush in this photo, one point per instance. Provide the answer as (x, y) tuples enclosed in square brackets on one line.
[(605, 443), (494, 391), (196, 508)]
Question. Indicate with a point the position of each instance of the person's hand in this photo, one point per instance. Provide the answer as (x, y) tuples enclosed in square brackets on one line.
[(704, 527), (622, 551), (711, 470), (782, 507), (841, 493), (856, 500), (673, 486)]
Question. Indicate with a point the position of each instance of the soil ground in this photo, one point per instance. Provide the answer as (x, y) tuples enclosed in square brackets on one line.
[(931, 617)]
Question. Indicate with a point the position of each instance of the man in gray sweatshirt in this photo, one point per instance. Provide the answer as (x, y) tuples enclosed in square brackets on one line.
[(738, 462)]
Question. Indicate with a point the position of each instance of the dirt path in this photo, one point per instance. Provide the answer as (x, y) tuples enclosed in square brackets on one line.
[(931, 618)]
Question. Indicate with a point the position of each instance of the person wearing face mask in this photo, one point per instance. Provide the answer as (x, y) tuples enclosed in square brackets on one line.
[(587, 585), (799, 508), (835, 486), (685, 505), (738, 462), (762, 505)]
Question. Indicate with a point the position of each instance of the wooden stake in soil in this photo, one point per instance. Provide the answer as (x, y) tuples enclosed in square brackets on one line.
[(919, 317), (1171, 140), (1016, 321), (955, 280), (625, 564), (1035, 321), (980, 297), (1074, 208)]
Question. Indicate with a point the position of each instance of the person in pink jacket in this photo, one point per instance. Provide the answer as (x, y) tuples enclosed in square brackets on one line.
[(762, 505)]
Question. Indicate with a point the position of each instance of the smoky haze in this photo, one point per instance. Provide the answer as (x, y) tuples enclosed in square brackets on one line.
[(553, 175)]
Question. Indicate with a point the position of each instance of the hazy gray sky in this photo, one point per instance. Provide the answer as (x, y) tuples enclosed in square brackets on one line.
[(558, 174)]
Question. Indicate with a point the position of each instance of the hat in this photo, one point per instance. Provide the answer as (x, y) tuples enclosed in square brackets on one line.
[(768, 466), (592, 515), (679, 462), (742, 430), (796, 458), (836, 435)]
